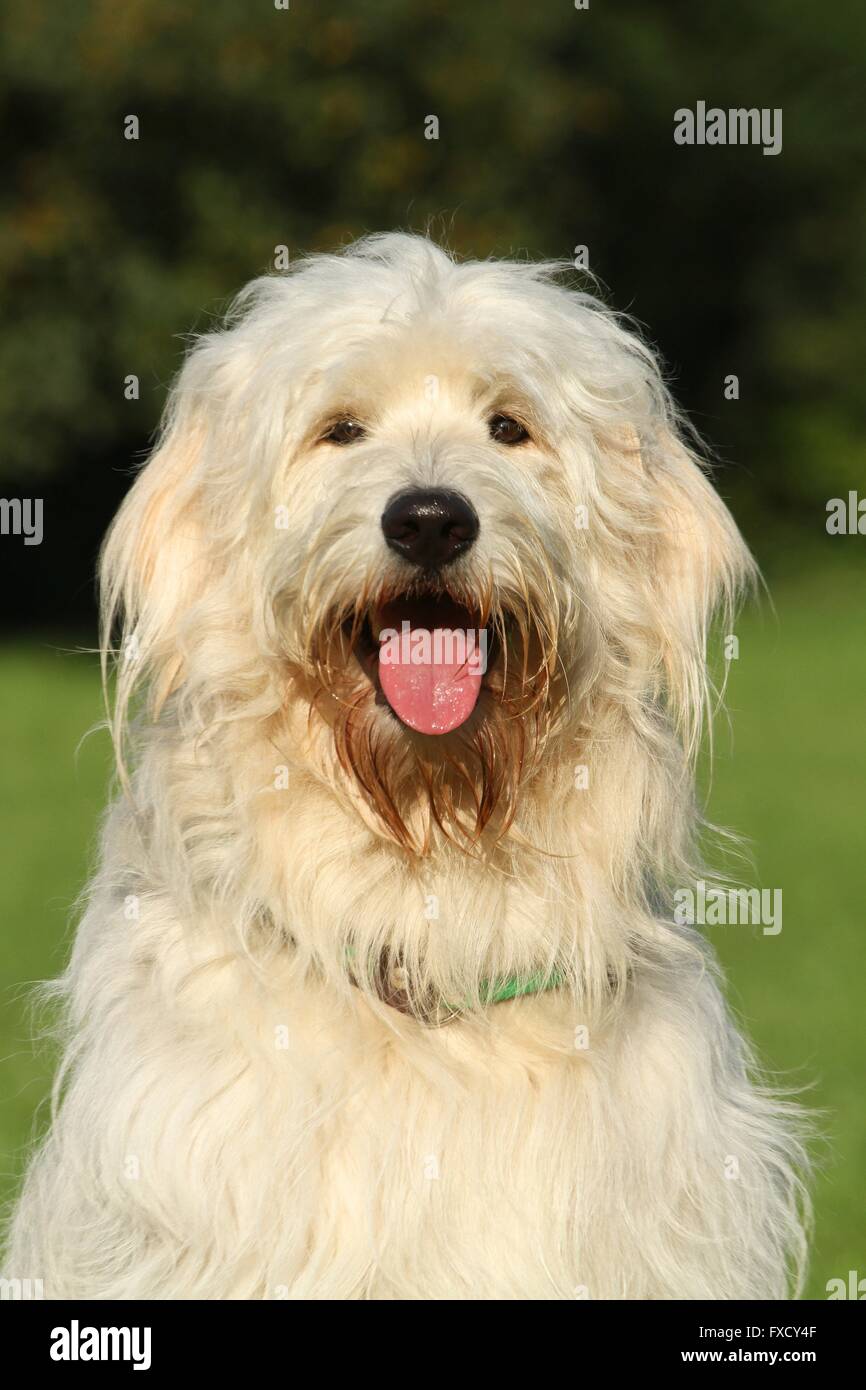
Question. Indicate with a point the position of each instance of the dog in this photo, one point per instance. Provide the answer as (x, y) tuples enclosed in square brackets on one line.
[(378, 992)]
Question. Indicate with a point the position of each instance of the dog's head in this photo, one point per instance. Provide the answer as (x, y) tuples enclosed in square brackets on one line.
[(422, 524)]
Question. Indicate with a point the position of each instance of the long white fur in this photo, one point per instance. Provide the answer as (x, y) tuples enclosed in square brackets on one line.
[(234, 1117)]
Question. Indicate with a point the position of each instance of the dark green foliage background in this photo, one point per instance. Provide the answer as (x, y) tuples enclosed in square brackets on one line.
[(305, 127)]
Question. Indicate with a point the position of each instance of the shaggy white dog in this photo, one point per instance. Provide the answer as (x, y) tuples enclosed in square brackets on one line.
[(379, 993)]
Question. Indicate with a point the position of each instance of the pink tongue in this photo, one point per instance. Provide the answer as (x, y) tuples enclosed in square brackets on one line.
[(430, 677)]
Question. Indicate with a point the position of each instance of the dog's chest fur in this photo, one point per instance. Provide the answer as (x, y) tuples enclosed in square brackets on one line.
[(291, 1142), (264, 1132), (252, 1125)]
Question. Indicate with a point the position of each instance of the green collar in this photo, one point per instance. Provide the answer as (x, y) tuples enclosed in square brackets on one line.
[(392, 991), (515, 987)]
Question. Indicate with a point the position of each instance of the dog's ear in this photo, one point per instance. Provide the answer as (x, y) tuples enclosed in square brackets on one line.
[(693, 564), (154, 559)]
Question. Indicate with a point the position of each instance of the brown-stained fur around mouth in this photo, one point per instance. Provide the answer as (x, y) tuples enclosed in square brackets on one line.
[(465, 784)]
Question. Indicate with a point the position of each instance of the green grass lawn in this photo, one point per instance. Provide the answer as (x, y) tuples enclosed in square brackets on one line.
[(790, 780)]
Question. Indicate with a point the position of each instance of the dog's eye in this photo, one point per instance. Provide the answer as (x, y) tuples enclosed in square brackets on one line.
[(506, 430), (344, 432)]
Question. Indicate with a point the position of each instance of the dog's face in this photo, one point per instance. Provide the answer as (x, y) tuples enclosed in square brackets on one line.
[(426, 593), (439, 510)]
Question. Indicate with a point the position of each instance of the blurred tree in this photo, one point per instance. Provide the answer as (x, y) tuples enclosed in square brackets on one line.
[(305, 126)]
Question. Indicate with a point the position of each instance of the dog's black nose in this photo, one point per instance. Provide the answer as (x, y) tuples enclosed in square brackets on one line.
[(430, 529)]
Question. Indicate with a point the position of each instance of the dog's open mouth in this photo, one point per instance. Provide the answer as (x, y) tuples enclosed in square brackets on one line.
[(427, 654)]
